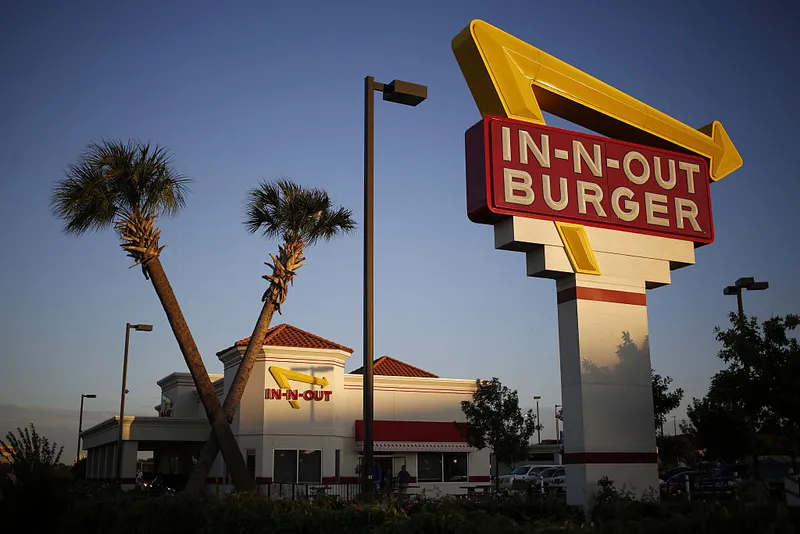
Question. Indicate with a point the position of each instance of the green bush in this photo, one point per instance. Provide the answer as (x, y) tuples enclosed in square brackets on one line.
[(89, 508)]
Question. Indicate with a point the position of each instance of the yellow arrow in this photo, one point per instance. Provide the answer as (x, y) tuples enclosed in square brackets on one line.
[(282, 377), (510, 78)]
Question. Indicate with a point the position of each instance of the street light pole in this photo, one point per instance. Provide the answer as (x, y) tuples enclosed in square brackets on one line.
[(80, 425), (128, 328), (674, 426), (537, 398), (409, 94), (555, 409), (750, 284)]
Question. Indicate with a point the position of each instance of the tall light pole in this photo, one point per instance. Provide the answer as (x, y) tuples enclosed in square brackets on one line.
[(128, 328), (409, 94), (750, 284), (555, 409), (80, 424), (537, 398), (674, 426)]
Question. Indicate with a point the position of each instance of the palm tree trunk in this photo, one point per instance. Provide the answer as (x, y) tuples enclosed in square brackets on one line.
[(286, 264), (216, 415), (211, 448)]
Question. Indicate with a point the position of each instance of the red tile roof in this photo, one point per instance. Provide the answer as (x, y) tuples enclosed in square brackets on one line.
[(388, 366), (286, 335)]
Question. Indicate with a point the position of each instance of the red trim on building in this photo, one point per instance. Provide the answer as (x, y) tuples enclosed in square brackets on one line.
[(610, 458), (127, 481), (214, 480), (413, 431), (601, 295), (479, 478), (263, 480)]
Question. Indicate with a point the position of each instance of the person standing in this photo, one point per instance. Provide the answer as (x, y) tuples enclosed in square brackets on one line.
[(403, 478), (376, 477)]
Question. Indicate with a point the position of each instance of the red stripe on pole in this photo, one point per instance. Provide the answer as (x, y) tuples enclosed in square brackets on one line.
[(610, 458), (601, 295)]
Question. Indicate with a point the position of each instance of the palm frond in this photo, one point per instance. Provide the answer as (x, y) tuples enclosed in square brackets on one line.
[(286, 209), (112, 178)]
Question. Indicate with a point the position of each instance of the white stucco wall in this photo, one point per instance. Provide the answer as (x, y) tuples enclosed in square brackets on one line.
[(327, 424)]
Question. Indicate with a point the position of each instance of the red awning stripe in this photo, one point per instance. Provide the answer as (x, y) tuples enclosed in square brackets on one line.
[(414, 431)]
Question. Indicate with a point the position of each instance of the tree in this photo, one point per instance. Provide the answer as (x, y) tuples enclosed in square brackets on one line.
[(129, 186), (495, 420), (717, 428), (30, 455), (664, 400), (756, 392), (300, 217)]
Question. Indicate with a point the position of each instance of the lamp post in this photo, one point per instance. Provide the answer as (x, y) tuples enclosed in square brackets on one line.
[(537, 398), (749, 284), (128, 328), (555, 409), (80, 424), (409, 94), (674, 426)]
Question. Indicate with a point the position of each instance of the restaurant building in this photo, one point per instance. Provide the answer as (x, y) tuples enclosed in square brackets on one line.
[(300, 421)]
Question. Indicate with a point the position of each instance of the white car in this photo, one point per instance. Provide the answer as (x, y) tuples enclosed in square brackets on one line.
[(553, 480), (525, 473)]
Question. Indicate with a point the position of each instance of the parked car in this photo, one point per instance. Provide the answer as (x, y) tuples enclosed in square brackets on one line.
[(554, 480), (663, 476), (525, 473), (676, 484), (155, 484)]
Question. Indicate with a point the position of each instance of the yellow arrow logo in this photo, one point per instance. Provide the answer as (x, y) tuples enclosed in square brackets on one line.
[(510, 78), (283, 376)]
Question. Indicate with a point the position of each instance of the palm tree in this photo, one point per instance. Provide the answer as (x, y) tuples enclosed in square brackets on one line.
[(128, 186), (300, 217)]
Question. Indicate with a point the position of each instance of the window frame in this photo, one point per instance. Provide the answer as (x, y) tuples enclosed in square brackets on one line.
[(297, 476), (466, 462), (297, 466)]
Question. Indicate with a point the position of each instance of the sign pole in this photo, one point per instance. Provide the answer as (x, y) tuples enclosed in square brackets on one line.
[(607, 218)]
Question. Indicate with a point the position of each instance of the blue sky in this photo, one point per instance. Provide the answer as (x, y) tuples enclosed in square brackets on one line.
[(275, 89)]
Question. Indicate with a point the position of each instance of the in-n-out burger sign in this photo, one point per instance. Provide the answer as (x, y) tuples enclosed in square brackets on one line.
[(519, 168), (283, 376), (294, 394)]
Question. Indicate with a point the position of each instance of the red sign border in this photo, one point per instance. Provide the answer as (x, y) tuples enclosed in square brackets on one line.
[(484, 212)]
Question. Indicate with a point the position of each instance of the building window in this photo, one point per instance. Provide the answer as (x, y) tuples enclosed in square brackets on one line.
[(338, 466), (292, 467), (429, 467), (285, 467), (309, 469), (442, 467), (251, 462), (455, 466)]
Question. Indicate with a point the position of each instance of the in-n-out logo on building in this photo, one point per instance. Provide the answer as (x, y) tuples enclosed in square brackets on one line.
[(285, 392)]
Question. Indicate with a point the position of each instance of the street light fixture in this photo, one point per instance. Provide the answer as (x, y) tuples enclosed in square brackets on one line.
[(80, 424), (749, 284), (409, 94), (537, 398), (128, 328)]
